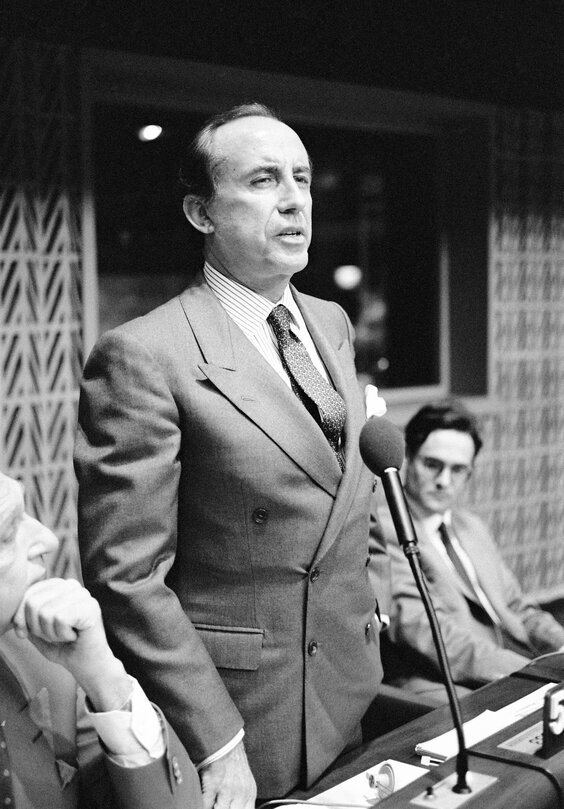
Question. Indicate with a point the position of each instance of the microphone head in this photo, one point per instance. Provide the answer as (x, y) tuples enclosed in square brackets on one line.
[(381, 445)]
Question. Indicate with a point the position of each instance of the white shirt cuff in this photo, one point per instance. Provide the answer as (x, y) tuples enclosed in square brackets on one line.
[(223, 751), (133, 736)]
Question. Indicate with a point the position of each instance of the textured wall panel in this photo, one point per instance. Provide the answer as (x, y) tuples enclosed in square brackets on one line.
[(519, 484), (40, 268)]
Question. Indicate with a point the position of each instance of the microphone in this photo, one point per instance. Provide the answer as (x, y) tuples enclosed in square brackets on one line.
[(382, 450)]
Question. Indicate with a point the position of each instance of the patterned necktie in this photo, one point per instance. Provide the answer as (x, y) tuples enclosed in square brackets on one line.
[(307, 381)]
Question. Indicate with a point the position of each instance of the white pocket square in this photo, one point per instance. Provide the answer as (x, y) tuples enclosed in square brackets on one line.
[(375, 404)]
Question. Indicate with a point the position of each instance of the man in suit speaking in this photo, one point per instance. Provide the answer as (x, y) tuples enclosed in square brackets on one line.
[(490, 628), (224, 509)]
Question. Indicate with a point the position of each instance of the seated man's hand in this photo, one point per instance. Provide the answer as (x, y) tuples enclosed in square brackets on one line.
[(228, 782), (62, 619)]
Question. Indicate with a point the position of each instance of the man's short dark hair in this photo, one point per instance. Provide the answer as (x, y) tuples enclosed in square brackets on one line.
[(447, 414), (198, 171)]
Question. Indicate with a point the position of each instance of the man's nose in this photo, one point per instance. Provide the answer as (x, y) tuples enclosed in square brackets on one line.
[(444, 478), (293, 197), (38, 537)]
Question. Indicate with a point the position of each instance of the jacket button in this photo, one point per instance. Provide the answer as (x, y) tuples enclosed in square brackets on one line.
[(315, 574), (312, 648), (367, 629), (260, 515)]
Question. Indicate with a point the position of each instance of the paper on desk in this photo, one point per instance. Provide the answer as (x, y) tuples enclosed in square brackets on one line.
[(356, 790), (485, 724), (524, 706)]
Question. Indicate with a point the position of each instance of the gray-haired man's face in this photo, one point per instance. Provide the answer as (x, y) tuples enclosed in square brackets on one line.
[(23, 541)]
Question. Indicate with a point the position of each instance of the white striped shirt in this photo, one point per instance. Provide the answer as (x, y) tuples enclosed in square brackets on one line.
[(249, 311)]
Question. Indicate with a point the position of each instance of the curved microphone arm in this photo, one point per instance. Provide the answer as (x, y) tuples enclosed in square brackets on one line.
[(412, 554), (407, 538), (382, 449)]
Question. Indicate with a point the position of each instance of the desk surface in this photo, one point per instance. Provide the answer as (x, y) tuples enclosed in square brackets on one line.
[(518, 786)]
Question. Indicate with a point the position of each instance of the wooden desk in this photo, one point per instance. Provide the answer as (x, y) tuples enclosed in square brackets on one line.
[(517, 787)]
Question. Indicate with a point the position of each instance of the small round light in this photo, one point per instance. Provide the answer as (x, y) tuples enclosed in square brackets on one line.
[(347, 276), (150, 132)]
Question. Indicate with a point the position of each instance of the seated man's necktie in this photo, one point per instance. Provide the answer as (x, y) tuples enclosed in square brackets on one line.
[(307, 381), (479, 595), (486, 609)]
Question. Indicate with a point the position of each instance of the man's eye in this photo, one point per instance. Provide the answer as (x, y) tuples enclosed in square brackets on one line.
[(263, 180), (303, 179)]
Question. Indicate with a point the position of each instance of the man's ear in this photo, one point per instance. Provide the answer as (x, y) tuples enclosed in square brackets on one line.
[(196, 213)]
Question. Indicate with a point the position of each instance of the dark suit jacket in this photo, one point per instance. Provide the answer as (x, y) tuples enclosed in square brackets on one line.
[(229, 554), (473, 647), (53, 755)]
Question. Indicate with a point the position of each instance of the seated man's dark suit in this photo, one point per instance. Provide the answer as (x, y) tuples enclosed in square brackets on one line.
[(52, 755), (228, 551), (478, 651)]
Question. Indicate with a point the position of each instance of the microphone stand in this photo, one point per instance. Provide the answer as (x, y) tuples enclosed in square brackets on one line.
[(413, 557), (408, 540)]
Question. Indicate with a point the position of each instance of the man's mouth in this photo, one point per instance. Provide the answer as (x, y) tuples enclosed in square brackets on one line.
[(291, 232), (292, 236)]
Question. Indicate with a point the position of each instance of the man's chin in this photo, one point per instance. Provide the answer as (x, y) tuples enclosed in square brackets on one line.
[(298, 263), (293, 256), (438, 505)]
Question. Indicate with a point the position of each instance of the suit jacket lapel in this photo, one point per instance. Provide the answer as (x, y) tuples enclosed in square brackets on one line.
[(239, 371), (486, 573), (49, 692), (481, 561)]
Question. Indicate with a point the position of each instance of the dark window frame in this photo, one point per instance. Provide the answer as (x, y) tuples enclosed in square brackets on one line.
[(462, 130)]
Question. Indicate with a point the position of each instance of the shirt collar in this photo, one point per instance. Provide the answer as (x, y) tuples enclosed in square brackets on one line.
[(242, 302), (431, 522)]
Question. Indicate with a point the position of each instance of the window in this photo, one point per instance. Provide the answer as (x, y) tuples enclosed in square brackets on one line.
[(401, 210), (374, 247)]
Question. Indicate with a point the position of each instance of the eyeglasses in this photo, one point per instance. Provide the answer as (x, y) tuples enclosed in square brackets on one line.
[(433, 467)]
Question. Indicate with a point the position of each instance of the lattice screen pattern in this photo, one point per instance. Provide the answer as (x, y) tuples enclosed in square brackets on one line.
[(40, 272), (519, 485)]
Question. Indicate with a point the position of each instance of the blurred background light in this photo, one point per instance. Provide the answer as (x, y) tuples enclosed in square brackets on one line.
[(347, 276), (150, 132)]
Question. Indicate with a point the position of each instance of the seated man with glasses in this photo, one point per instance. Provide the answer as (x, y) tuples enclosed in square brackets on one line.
[(490, 628)]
